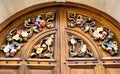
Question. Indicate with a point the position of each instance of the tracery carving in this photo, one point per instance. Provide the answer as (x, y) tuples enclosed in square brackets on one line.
[(101, 34), (17, 37), (78, 48), (44, 49)]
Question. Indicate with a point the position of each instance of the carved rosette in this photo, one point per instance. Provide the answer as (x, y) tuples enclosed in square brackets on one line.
[(17, 37), (78, 48), (44, 49), (101, 34)]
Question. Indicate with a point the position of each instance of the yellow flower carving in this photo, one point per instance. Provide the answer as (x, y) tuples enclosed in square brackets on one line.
[(72, 41), (24, 34), (99, 29), (95, 34), (49, 41), (16, 37), (39, 50), (84, 48)]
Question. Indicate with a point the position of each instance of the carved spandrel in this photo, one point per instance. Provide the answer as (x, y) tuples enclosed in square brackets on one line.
[(18, 36), (78, 48), (101, 34), (44, 49)]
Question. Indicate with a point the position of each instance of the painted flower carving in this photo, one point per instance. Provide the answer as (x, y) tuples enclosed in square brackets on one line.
[(24, 34), (111, 47), (17, 37), (39, 50), (44, 48), (82, 51), (100, 34)]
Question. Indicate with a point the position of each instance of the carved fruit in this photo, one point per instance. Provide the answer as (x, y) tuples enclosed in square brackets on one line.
[(73, 41), (84, 49), (38, 19), (42, 23), (50, 26), (18, 48), (6, 49), (109, 49), (44, 46), (9, 39), (101, 37), (19, 32), (12, 55), (104, 33), (71, 25), (103, 46), (37, 25), (73, 54), (35, 29), (110, 36), (48, 55), (112, 53), (116, 51), (13, 51), (7, 54), (33, 55), (25, 39), (78, 21), (87, 28)]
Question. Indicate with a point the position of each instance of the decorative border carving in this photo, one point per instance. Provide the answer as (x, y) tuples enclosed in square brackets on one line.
[(17, 37), (102, 34)]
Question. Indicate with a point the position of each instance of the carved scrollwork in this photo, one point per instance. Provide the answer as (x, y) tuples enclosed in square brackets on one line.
[(17, 37), (78, 48), (101, 34), (44, 49)]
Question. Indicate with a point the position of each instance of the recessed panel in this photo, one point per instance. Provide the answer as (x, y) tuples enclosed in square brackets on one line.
[(82, 71), (40, 72)]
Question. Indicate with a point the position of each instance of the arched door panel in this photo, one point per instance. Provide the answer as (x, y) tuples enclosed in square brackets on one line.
[(60, 38)]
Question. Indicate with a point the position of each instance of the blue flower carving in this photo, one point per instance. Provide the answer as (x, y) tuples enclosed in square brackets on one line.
[(110, 44)]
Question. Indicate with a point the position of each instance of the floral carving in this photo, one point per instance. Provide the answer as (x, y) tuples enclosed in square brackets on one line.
[(44, 48), (78, 48), (17, 37), (101, 34)]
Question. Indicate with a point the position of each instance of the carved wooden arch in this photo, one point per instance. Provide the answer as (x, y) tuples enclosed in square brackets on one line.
[(99, 16), (20, 15)]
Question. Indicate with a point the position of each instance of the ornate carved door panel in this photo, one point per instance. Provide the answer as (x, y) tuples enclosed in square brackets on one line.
[(32, 44), (60, 38)]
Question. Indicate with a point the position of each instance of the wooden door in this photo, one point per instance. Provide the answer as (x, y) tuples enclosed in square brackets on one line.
[(60, 38)]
